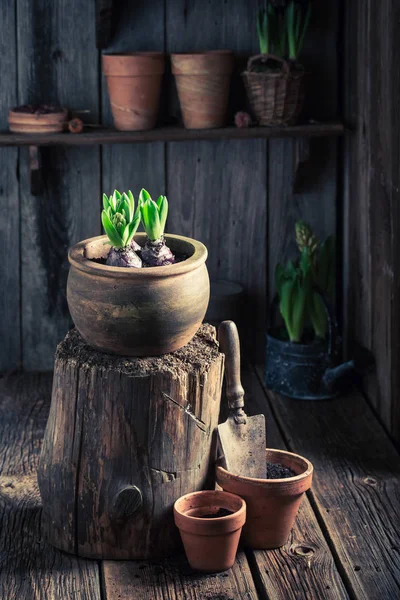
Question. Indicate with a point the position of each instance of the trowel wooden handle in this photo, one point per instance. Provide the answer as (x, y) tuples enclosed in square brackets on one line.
[(228, 338)]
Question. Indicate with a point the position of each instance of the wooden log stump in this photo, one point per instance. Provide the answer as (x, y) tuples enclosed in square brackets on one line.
[(125, 438)]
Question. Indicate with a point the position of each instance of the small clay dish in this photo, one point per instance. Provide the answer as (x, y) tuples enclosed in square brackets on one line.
[(37, 118)]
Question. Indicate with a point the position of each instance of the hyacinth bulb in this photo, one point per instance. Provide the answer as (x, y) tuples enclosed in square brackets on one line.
[(120, 222)]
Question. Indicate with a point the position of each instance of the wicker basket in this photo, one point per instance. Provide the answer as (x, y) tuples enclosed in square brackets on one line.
[(275, 98)]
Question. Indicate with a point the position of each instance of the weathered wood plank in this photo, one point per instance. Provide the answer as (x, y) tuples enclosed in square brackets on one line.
[(140, 28), (173, 579), (315, 197), (57, 62), (372, 166), (356, 487), (10, 334), (219, 190), (304, 567), (170, 133), (29, 568)]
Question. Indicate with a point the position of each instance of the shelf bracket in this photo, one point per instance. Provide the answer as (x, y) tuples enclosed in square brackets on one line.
[(35, 170), (105, 12)]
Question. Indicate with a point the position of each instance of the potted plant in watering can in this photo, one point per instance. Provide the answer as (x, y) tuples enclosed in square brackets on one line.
[(274, 79), (137, 294), (302, 361)]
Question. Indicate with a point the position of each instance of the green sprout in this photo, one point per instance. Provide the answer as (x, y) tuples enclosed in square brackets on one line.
[(271, 29), (154, 215), (297, 22), (294, 284), (298, 282), (282, 26), (119, 218)]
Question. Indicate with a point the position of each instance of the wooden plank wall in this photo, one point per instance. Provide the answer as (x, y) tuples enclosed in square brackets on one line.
[(235, 196), (372, 195)]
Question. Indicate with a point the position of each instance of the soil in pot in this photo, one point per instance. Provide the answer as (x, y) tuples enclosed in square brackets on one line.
[(221, 512), (178, 258), (277, 471), (210, 524), (134, 85), (272, 504)]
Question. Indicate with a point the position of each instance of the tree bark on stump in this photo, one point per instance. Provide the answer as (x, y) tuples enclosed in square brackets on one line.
[(125, 438)]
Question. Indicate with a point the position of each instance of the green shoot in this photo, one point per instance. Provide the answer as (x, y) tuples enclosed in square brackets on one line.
[(154, 215), (271, 30), (297, 22), (297, 283), (294, 285), (282, 26), (119, 218)]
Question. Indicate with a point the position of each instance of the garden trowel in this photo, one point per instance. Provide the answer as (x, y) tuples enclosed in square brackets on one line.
[(242, 438)]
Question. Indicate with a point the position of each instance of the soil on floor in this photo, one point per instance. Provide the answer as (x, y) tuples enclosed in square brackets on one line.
[(277, 471)]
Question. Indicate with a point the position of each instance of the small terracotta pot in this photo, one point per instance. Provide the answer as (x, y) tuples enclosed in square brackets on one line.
[(210, 543), (203, 82), (21, 122), (272, 504), (138, 312), (134, 84)]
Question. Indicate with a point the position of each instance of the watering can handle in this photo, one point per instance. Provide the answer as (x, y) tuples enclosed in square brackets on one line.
[(228, 338), (332, 326)]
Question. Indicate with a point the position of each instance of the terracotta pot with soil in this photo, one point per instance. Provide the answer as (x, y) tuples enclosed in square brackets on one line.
[(203, 81), (134, 84), (146, 295), (37, 118), (210, 524), (138, 312), (272, 504)]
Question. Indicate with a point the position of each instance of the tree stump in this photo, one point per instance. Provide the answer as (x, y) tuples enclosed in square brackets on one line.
[(125, 438)]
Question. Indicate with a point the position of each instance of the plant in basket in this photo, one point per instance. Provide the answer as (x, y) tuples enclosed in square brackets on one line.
[(302, 356), (146, 295), (274, 79)]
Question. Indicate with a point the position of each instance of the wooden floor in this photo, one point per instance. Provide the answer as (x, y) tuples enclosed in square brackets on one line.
[(345, 543)]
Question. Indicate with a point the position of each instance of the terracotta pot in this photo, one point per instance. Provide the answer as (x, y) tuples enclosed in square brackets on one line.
[(134, 84), (138, 312), (210, 543), (24, 122), (203, 82), (272, 504)]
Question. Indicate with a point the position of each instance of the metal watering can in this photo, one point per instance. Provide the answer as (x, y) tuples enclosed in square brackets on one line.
[(309, 371)]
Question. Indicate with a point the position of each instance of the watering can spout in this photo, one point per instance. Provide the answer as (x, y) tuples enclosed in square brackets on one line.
[(333, 376)]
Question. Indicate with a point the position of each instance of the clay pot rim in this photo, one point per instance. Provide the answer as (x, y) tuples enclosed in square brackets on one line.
[(215, 494), (77, 258), (202, 53), (133, 64), (211, 526), (134, 53), (309, 469), (193, 64)]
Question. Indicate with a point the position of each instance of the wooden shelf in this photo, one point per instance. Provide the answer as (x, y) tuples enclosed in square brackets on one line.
[(96, 136)]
